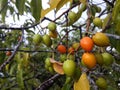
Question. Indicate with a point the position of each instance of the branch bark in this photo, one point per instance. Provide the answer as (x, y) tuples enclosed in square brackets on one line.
[(45, 85)]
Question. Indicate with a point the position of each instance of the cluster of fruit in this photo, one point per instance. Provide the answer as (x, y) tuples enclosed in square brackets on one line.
[(46, 39), (91, 59)]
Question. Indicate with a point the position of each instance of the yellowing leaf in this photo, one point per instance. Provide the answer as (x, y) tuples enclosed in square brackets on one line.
[(61, 3), (83, 1), (53, 4), (82, 83), (57, 66)]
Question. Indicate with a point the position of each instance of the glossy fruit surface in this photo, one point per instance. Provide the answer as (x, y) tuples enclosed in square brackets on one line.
[(108, 58), (8, 53), (97, 22), (89, 60), (53, 34), (37, 38), (52, 26), (61, 48), (99, 58), (47, 40), (100, 39), (86, 43), (69, 67), (101, 83)]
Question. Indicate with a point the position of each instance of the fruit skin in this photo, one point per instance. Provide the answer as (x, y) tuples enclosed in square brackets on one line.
[(72, 16), (69, 67), (53, 34), (71, 50), (101, 83), (47, 40), (52, 26), (100, 39), (99, 58), (86, 43), (89, 60), (8, 53), (47, 62), (97, 22), (61, 48), (37, 39), (107, 58)]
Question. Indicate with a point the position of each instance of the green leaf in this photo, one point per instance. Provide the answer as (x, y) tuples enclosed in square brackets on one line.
[(20, 4), (53, 4), (3, 8), (61, 3), (36, 6), (19, 76)]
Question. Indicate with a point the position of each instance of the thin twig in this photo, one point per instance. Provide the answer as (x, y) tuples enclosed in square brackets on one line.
[(45, 85)]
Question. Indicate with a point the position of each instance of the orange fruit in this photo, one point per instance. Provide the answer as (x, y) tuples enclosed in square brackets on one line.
[(86, 43), (71, 50), (89, 60), (8, 53), (61, 48)]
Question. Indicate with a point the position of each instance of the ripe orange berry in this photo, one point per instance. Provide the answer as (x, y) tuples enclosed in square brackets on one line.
[(8, 53), (89, 60), (61, 49), (86, 43), (71, 50)]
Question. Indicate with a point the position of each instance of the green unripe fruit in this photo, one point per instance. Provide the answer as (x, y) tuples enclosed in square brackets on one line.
[(107, 58), (72, 16), (99, 58), (47, 40), (101, 83), (69, 67), (37, 39), (52, 26), (97, 22), (51, 70), (47, 62)]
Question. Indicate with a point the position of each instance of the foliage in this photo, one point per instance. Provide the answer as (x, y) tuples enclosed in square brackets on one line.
[(25, 68)]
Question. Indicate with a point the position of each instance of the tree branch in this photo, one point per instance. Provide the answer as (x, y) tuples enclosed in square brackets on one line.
[(14, 52), (45, 85), (111, 4)]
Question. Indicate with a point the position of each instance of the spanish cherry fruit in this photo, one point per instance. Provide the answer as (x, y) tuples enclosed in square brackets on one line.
[(89, 60), (69, 67), (97, 22), (37, 38), (47, 40), (86, 43), (101, 83), (52, 26), (107, 58), (100, 39), (99, 58)]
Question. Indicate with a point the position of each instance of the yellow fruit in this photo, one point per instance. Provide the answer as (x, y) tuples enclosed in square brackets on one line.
[(97, 22), (100, 39)]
